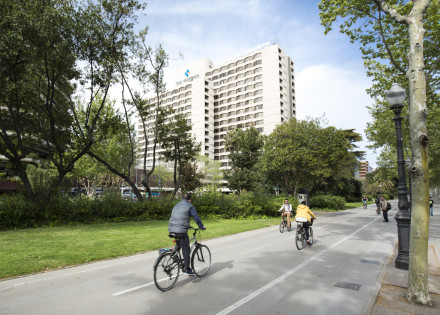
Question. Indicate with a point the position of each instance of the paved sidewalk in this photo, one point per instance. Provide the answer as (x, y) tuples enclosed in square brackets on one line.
[(391, 297)]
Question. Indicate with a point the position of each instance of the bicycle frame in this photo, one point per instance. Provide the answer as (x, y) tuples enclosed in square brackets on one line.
[(193, 242)]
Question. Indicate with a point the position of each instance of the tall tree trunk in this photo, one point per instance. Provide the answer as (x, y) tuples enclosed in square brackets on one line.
[(175, 171), (418, 289), (25, 179), (133, 186)]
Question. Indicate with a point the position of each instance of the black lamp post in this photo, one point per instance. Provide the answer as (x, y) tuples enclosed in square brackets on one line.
[(396, 96)]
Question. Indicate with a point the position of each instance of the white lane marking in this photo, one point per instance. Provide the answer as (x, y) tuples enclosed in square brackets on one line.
[(140, 286), (253, 250), (287, 274), (133, 289)]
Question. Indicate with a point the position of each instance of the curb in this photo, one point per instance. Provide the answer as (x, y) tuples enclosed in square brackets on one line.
[(372, 298)]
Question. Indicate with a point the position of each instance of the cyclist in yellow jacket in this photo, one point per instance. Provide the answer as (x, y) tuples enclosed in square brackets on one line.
[(305, 215)]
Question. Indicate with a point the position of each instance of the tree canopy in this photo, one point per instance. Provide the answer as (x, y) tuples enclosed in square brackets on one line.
[(49, 52), (245, 148), (303, 154)]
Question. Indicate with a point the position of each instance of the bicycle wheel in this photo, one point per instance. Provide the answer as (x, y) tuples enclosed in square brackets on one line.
[(299, 239), (282, 226), (310, 236), (166, 271), (201, 260)]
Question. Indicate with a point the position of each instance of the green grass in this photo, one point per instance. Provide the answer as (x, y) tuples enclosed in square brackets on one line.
[(30, 251), (352, 205)]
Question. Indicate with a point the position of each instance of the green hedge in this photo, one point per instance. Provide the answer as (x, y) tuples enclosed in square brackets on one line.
[(17, 212), (327, 202)]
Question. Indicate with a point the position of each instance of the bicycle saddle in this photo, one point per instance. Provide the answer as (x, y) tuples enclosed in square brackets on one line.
[(172, 235)]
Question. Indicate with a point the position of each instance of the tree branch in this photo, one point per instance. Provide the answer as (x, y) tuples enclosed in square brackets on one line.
[(390, 54), (402, 19)]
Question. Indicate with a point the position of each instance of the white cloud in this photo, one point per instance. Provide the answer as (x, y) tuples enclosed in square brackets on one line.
[(340, 94)]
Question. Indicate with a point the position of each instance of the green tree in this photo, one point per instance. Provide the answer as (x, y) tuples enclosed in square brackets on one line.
[(384, 178), (192, 177), (245, 147), (295, 157), (48, 49), (36, 62), (406, 33), (112, 151), (149, 77), (179, 146), (212, 172)]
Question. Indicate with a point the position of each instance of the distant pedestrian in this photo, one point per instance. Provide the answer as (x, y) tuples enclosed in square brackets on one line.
[(431, 206), (377, 202), (384, 207)]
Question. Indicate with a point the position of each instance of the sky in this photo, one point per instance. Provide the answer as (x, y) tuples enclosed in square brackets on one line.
[(329, 75)]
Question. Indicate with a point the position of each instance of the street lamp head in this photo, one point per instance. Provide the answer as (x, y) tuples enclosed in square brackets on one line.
[(396, 96)]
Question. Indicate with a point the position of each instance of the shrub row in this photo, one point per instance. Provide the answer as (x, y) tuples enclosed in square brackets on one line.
[(327, 202), (17, 212)]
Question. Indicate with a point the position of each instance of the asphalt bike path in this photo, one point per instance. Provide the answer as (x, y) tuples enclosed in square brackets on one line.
[(259, 272)]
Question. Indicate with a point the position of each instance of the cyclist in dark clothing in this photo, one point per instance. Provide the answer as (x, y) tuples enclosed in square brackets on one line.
[(179, 225)]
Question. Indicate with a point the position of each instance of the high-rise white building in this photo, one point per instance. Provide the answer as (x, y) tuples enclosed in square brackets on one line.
[(256, 88)]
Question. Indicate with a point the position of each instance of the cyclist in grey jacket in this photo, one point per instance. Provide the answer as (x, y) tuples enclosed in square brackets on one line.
[(179, 225)]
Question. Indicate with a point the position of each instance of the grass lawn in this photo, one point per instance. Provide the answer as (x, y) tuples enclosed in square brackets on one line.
[(352, 205), (29, 251)]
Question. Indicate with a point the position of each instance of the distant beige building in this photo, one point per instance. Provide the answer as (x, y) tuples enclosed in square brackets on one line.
[(364, 169), (256, 89)]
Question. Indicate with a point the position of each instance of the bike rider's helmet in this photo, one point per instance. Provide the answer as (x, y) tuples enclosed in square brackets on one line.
[(304, 203)]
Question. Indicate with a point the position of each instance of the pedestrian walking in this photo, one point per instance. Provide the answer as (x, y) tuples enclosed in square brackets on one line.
[(377, 202), (431, 206), (385, 206)]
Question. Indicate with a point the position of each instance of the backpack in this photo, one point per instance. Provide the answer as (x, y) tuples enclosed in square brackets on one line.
[(388, 206)]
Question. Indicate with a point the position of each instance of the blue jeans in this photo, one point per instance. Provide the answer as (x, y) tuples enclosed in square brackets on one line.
[(431, 209)]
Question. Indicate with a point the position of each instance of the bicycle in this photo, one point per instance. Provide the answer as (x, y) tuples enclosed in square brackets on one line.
[(283, 224), (300, 237), (170, 262)]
